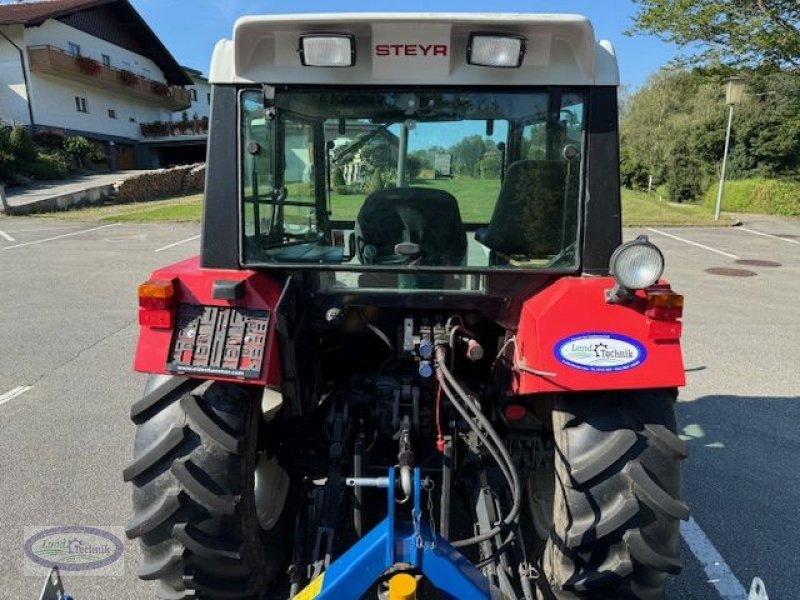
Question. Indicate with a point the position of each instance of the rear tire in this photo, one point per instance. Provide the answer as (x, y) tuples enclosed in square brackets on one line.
[(194, 508), (617, 500)]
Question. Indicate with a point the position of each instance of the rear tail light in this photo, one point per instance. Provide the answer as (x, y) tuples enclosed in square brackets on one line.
[(156, 301), (664, 305), (156, 294)]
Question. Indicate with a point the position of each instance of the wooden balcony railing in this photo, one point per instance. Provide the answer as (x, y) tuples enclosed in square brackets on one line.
[(55, 61), (162, 129)]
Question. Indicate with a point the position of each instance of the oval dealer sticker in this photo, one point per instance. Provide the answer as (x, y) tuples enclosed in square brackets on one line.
[(600, 352)]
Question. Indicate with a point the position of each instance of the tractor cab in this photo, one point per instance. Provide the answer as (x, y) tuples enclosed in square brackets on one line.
[(394, 155)]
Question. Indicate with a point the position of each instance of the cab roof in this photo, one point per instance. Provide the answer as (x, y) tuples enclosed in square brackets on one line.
[(560, 50)]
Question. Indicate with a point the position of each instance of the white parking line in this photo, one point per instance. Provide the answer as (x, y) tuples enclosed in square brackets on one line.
[(753, 231), (58, 237), (191, 239), (6, 237), (10, 395), (717, 570), (691, 243)]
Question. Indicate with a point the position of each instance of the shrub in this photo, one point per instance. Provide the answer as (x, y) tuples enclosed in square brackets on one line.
[(49, 140), (21, 145), (43, 170), (759, 195), (8, 166), (82, 151)]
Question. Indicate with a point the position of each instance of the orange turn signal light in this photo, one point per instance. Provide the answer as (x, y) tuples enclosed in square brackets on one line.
[(156, 294), (664, 305)]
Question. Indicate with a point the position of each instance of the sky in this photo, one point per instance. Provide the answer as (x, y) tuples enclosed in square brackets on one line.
[(190, 29)]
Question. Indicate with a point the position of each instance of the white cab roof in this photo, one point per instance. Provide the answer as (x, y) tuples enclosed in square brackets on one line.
[(561, 50)]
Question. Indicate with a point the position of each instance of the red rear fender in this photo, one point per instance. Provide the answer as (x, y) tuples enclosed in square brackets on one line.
[(217, 358), (571, 339)]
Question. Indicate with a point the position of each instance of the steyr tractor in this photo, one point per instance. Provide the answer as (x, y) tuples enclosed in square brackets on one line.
[(414, 358)]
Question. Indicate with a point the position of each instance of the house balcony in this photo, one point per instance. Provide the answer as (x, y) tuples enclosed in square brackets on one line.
[(50, 60), (175, 131)]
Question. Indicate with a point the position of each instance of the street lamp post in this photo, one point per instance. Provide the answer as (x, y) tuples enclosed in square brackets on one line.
[(734, 91)]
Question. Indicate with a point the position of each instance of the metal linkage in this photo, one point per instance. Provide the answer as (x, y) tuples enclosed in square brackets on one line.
[(403, 546)]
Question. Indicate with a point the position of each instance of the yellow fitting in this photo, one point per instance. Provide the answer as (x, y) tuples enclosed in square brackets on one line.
[(403, 587)]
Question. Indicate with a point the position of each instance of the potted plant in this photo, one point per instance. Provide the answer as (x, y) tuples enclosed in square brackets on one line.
[(159, 89), (127, 78), (88, 66)]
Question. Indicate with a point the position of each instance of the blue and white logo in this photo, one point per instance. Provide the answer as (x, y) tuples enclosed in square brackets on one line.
[(600, 352)]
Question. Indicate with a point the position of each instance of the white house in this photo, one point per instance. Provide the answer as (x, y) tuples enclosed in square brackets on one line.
[(91, 68), (200, 92)]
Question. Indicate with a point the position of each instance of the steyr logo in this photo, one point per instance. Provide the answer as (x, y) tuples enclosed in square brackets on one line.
[(411, 50)]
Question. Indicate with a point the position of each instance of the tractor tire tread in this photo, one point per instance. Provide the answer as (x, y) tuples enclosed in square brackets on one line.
[(647, 490), (157, 451), (617, 501)]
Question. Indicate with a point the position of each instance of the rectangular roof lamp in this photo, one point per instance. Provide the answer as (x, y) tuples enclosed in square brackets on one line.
[(496, 50), (327, 50)]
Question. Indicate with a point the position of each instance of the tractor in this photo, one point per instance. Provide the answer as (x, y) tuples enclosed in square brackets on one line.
[(414, 358)]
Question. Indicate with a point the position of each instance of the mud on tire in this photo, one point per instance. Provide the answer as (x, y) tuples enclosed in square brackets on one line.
[(194, 511), (617, 501)]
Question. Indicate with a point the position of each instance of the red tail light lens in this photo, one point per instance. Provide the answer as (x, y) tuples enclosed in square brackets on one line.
[(156, 300), (156, 294), (664, 305)]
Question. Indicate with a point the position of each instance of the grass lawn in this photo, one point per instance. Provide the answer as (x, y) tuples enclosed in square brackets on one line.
[(179, 209), (476, 199), (640, 210)]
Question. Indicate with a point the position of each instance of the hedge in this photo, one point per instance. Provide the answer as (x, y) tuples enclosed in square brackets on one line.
[(759, 195)]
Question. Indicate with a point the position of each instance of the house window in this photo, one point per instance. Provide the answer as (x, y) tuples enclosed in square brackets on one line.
[(106, 60), (112, 113), (194, 95), (74, 49), (80, 104)]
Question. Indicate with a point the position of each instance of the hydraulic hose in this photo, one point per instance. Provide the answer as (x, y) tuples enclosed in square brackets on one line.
[(493, 443), (490, 430)]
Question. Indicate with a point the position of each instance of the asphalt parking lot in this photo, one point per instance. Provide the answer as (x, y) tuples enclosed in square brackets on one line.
[(68, 329)]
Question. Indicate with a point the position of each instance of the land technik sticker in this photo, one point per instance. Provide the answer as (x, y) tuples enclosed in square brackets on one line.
[(600, 352)]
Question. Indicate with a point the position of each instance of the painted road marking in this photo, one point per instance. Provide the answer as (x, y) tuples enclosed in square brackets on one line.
[(59, 237), (769, 235), (717, 570), (191, 239), (6, 237), (691, 243), (17, 391)]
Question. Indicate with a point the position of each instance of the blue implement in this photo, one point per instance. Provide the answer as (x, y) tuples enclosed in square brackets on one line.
[(402, 546)]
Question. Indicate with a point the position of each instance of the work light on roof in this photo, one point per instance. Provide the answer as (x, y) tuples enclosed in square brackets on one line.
[(328, 50), (495, 50)]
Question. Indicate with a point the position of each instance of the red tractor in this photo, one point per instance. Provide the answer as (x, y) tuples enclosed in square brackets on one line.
[(414, 358)]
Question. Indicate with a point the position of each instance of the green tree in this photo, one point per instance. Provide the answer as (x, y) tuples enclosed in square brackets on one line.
[(467, 153), (735, 32), (684, 176), (377, 156)]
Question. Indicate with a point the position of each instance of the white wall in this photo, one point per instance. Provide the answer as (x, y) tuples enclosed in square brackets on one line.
[(54, 97), (54, 103), (13, 95), (201, 107)]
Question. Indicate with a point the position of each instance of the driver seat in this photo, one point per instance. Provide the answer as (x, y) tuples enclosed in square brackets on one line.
[(424, 216), (536, 206)]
